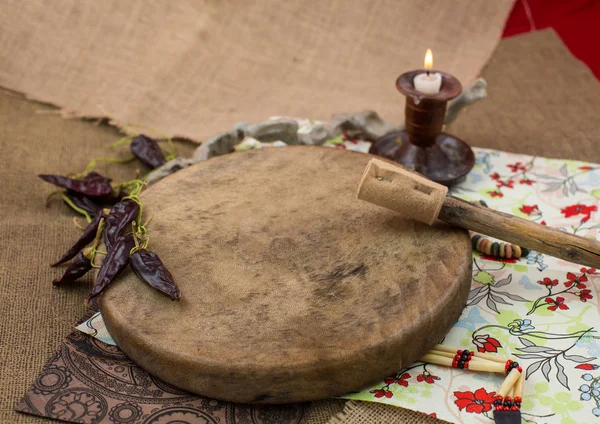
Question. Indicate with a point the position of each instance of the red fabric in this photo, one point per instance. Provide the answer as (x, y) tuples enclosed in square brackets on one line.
[(577, 22)]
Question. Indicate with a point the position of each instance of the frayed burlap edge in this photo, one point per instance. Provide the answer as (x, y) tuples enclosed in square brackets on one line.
[(358, 412)]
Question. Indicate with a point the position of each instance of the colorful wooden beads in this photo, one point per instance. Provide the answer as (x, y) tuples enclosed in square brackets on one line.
[(507, 404), (461, 359), (510, 365), (497, 249)]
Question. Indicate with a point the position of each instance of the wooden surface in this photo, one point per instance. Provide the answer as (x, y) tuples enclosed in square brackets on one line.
[(520, 231), (291, 288)]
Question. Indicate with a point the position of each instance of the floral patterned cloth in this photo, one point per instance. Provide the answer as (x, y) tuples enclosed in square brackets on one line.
[(540, 311), (94, 326)]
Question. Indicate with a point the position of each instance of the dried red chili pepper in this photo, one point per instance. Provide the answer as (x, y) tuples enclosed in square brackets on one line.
[(76, 269), (89, 234), (147, 151), (120, 217), (148, 267), (93, 185), (84, 202), (115, 261), (112, 198), (91, 175)]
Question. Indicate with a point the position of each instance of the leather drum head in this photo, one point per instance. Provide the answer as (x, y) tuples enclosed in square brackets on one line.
[(292, 290)]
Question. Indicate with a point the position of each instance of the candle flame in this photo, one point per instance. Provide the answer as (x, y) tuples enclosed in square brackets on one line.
[(429, 60)]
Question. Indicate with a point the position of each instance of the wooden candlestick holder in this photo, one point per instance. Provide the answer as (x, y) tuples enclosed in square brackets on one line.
[(421, 145)]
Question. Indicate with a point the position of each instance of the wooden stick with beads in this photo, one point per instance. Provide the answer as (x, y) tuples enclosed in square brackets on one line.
[(455, 354), (519, 391), (487, 356), (509, 382), (487, 366)]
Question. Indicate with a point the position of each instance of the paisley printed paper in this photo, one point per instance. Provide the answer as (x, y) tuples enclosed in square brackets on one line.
[(92, 382)]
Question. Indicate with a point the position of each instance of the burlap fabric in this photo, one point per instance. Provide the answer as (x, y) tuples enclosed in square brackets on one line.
[(194, 68), (363, 413), (541, 101), (34, 317)]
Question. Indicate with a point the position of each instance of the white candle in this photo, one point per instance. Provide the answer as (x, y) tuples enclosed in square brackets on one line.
[(428, 82)]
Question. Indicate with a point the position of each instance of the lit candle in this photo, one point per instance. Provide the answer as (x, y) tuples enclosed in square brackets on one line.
[(428, 82)]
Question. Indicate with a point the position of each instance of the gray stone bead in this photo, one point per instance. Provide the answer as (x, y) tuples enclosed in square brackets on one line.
[(168, 168), (368, 124), (239, 129), (285, 130), (218, 145), (316, 137)]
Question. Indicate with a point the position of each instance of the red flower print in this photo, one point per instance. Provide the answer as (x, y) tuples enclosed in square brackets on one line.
[(427, 377), (485, 343), (587, 367), (584, 295), (433, 414), (475, 403), (528, 210), (570, 210), (586, 168), (574, 210), (548, 283), (578, 281), (495, 176), (517, 166), (508, 184), (556, 304), (526, 181), (398, 380), (379, 393), (495, 193), (588, 270), (543, 223)]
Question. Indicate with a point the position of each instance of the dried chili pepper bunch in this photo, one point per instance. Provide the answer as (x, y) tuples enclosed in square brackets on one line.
[(126, 238), (87, 193), (147, 150), (120, 228)]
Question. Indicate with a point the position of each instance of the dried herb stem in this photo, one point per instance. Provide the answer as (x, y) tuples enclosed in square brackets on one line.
[(77, 224), (96, 243), (69, 202), (92, 165), (51, 195)]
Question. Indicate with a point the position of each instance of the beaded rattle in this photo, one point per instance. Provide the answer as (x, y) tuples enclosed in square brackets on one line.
[(416, 197)]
